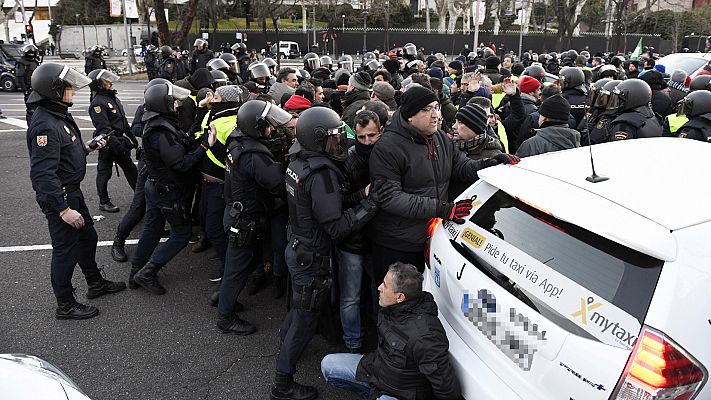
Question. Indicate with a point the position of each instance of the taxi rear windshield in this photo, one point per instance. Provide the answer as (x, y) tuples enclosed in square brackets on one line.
[(622, 276)]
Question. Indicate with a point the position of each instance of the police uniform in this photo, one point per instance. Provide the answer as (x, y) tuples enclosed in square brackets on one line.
[(637, 123), (600, 127), (151, 61), (107, 115), (24, 68), (252, 182), (577, 100), (168, 69), (169, 154), (92, 62), (698, 128), (200, 58)]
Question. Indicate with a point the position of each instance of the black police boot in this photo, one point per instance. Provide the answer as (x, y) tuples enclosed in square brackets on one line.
[(279, 287), (108, 206), (235, 325), (258, 283), (72, 309), (118, 250), (147, 278), (98, 286), (202, 244), (285, 388), (131, 283)]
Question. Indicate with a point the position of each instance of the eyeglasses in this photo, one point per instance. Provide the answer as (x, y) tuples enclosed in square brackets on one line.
[(429, 110)]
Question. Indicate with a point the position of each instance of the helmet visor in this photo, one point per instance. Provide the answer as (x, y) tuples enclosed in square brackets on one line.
[(347, 65), (336, 144), (234, 67), (615, 100), (684, 107), (217, 64), (178, 92), (277, 117), (313, 63), (73, 78), (106, 75), (601, 98), (259, 71)]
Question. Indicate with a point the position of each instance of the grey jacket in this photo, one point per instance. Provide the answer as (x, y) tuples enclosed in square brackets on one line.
[(550, 137)]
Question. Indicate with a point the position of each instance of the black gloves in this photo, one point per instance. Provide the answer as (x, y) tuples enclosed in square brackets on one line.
[(502, 158), (456, 212), (134, 141), (380, 191)]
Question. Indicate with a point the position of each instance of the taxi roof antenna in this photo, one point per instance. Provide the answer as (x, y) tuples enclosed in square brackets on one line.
[(594, 178)]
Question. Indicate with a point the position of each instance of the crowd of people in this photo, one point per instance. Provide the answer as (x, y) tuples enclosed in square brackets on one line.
[(322, 180)]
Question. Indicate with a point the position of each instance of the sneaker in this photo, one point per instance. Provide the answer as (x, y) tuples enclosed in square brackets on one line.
[(109, 207), (216, 272), (75, 310), (235, 325)]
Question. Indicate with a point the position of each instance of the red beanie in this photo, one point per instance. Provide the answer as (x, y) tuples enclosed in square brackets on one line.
[(529, 84)]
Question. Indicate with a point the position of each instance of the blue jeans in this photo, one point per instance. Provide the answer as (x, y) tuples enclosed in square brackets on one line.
[(350, 277), (339, 370)]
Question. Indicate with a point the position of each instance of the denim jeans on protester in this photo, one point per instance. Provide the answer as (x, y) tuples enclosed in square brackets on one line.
[(350, 278), (339, 370)]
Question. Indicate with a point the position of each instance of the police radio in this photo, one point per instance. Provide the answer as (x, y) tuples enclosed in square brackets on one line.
[(94, 143)]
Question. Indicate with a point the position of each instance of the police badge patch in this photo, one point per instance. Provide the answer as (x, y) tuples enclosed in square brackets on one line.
[(97, 109), (42, 140)]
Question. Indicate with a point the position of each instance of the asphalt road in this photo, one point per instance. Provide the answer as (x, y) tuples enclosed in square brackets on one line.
[(140, 346)]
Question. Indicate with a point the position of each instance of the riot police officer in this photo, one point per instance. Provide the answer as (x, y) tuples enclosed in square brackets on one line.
[(311, 62), (636, 119), (169, 153), (600, 117), (201, 55), (346, 62), (253, 182), (240, 51), (573, 89), (317, 218), (94, 60), (233, 71), (108, 117), (57, 167), (259, 73), (168, 68), (24, 68), (151, 61), (697, 107)]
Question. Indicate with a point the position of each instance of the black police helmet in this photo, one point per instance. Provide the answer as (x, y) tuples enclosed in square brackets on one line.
[(254, 116), (630, 94), (161, 98), (695, 103), (239, 47), (166, 51), (312, 60), (50, 79), (700, 82), (595, 90), (320, 129), (220, 77), (99, 75), (536, 71), (217, 64), (155, 81), (571, 78), (602, 97)]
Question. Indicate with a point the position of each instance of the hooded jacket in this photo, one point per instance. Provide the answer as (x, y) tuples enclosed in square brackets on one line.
[(552, 136), (420, 169), (412, 360), (352, 102)]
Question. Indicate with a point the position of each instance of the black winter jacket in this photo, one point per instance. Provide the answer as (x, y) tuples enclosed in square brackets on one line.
[(356, 178), (352, 102), (420, 170), (551, 137), (412, 360)]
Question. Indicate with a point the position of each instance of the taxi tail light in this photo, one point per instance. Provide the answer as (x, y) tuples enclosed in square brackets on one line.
[(658, 369), (431, 226)]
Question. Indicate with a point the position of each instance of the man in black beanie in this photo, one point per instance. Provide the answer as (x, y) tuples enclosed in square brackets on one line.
[(492, 69), (356, 96), (419, 160), (554, 133)]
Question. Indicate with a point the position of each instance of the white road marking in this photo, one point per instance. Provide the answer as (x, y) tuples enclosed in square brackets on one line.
[(105, 243), (20, 123)]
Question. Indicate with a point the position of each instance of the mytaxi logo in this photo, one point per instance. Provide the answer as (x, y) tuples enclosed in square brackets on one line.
[(473, 238), (585, 308)]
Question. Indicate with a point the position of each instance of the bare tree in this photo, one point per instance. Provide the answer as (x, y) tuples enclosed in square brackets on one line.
[(442, 9), (177, 36), (568, 14), (271, 9)]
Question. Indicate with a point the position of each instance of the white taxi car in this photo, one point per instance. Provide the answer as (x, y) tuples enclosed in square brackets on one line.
[(560, 288)]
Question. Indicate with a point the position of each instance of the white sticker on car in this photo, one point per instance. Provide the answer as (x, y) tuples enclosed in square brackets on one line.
[(600, 318)]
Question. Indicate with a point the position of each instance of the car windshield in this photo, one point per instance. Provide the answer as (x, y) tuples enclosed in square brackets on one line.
[(11, 51), (683, 62)]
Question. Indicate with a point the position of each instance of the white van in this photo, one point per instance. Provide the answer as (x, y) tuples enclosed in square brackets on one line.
[(560, 288), (287, 49)]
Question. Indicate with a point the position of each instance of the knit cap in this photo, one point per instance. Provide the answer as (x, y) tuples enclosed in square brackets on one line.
[(555, 107), (474, 117), (415, 99), (360, 80), (529, 84), (230, 93), (383, 90)]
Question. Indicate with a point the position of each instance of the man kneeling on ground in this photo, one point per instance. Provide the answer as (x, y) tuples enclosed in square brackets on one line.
[(412, 360)]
